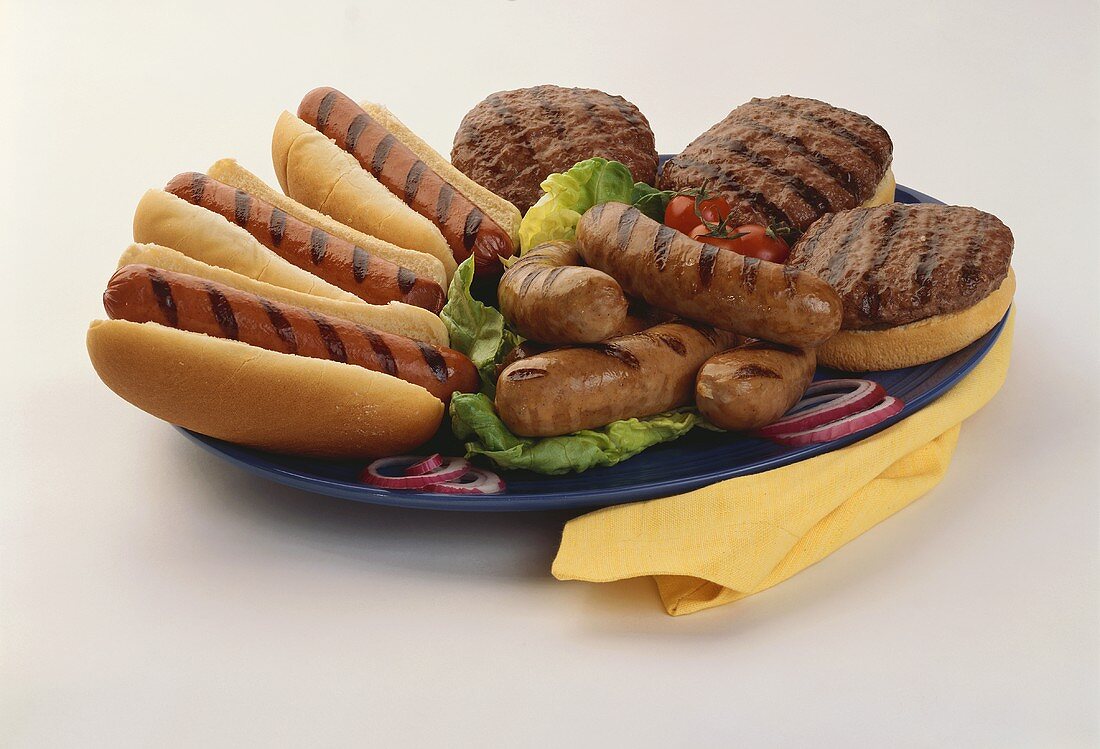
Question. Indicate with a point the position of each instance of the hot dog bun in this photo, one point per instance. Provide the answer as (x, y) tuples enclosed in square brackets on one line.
[(259, 398), (394, 317), (164, 219), (918, 342), (506, 215), (421, 263), (313, 170)]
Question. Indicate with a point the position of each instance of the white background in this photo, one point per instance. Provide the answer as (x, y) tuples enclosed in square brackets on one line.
[(151, 595)]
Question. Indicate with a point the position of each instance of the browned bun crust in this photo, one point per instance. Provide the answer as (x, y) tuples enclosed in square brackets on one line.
[(259, 398), (918, 342)]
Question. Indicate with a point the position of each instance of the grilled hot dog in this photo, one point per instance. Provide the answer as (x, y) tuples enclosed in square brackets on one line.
[(753, 385), (465, 227), (702, 282), (565, 390), (343, 264), (548, 296), (143, 293)]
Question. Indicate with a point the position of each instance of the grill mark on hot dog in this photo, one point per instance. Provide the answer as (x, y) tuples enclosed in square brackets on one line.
[(381, 350), (528, 373), (672, 342), (746, 371), (333, 343), (469, 231), (355, 129), (615, 351), (223, 311), (324, 109), (597, 212), (839, 174), (627, 222), (381, 153), (282, 326), (318, 245), (360, 262), (529, 279), (443, 203), (826, 122), (198, 187), (749, 267), (702, 329), (276, 225), (406, 279), (708, 255), (551, 277), (434, 360), (412, 181), (662, 242), (242, 207), (790, 279), (162, 290)]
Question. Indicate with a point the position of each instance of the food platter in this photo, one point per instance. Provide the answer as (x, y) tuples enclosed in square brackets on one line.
[(698, 459)]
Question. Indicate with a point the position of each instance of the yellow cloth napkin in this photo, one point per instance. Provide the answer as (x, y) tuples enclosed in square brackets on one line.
[(729, 540)]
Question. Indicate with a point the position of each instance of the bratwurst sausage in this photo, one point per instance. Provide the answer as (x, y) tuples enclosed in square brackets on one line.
[(565, 390), (349, 267), (701, 282), (464, 226), (143, 293), (753, 385), (548, 296)]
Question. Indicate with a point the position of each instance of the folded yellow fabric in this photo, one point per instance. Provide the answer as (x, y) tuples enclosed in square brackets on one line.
[(729, 540)]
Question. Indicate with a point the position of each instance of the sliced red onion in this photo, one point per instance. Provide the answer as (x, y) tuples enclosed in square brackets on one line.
[(824, 402), (449, 468), (474, 481), (842, 427), (427, 465)]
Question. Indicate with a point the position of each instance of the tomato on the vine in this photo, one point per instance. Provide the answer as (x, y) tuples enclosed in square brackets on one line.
[(752, 240), (681, 213)]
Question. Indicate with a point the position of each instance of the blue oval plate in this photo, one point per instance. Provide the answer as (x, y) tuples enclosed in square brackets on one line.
[(699, 458)]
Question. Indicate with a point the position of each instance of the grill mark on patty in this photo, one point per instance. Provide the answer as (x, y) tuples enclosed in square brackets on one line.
[(810, 241), (662, 243), (223, 311), (826, 122), (759, 202), (971, 271), (381, 350), (508, 119), (615, 351), (809, 195), (708, 255), (839, 258), (870, 302), (282, 326), (841, 176), (929, 260)]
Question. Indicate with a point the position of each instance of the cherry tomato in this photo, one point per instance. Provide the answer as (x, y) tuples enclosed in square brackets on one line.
[(680, 213), (756, 241)]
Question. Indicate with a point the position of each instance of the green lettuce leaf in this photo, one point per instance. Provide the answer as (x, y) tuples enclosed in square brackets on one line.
[(476, 329), (569, 194), (475, 421), (651, 201)]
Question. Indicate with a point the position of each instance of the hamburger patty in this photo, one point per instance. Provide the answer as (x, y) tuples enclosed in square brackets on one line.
[(896, 264), (512, 140), (785, 161)]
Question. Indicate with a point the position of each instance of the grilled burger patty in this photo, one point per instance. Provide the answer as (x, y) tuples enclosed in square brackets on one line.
[(785, 161), (896, 264), (512, 140)]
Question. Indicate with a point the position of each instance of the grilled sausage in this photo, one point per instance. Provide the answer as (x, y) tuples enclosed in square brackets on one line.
[(464, 226), (546, 295), (701, 282), (142, 293), (349, 267), (753, 385), (639, 375)]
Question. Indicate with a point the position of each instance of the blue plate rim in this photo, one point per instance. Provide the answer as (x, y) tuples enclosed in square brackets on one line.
[(266, 466)]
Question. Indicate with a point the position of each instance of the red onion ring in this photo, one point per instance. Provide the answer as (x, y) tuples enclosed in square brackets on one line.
[(824, 402), (450, 468), (429, 464), (842, 427), (473, 481)]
